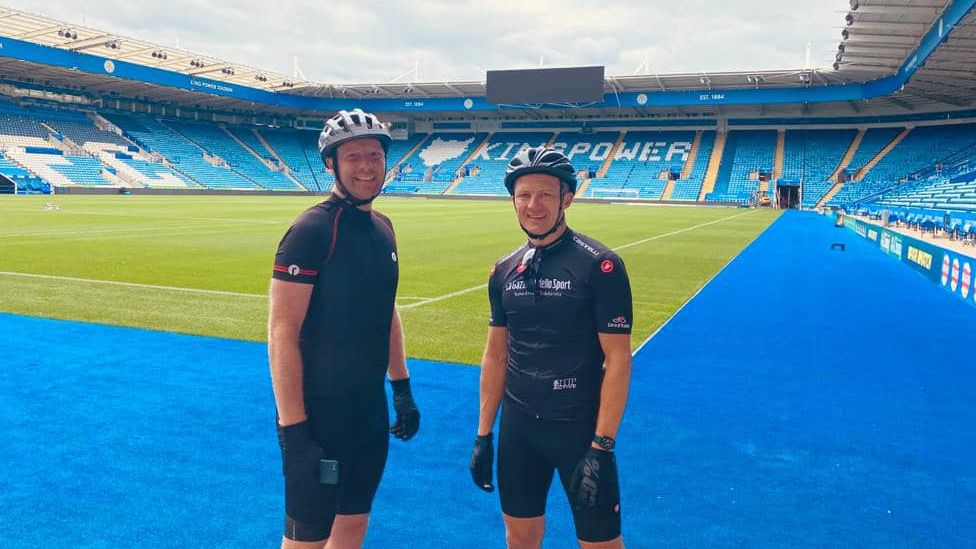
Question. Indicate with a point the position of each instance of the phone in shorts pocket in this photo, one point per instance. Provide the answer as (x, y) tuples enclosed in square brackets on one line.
[(328, 471)]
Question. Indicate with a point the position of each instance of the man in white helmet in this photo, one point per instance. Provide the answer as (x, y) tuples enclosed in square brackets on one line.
[(557, 361), (333, 335)]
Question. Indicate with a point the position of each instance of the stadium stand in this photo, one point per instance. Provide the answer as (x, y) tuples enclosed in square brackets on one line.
[(435, 165), (589, 152), (299, 150), (220, 144), (749, 155), (688, 187), (54, 167), (811, 156), (21, 180), (486, 171), (921, 148), (926, 166), (400, 149), (875, 139), (183, 155), (642, 164)]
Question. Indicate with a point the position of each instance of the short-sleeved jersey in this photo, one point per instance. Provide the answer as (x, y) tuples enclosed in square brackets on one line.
[(350, 257), (554, 301)]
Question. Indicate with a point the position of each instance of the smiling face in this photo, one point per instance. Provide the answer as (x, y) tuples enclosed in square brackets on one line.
[(362, 166), (537, 203)]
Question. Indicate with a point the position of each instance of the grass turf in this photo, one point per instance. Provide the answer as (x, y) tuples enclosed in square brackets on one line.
[(227, 244)]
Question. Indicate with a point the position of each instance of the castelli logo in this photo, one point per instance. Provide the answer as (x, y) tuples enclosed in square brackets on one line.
[(606, 266)]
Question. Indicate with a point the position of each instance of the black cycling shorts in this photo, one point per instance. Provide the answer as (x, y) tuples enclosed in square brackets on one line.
[(353, 429), (529, 450)]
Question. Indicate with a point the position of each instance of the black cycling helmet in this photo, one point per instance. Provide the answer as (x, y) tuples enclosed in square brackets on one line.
[(540, 160)]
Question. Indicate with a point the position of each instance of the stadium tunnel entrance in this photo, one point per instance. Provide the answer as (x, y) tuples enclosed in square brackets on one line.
[(788, 195), (7, 186)]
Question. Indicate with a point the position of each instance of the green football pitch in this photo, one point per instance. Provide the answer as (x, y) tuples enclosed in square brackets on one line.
[(201, 265)]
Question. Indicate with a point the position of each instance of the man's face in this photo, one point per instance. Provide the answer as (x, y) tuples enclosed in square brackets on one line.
[(536, 201), (362, 166)]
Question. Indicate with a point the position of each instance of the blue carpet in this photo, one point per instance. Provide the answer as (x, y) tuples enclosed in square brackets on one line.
[(809, 398), (805, 398)]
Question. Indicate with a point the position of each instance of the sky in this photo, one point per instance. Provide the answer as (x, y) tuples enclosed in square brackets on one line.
[(384, 41)]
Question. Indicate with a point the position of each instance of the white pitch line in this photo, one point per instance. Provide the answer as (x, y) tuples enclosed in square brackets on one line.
[(690, 299), (151, 286), (682, 230), (132, 284), (445, 296), (148, 216), (424, 300), (122, 231), (485, 285)]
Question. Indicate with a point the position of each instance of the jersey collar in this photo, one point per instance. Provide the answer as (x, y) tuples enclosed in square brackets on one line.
[(566, 236)]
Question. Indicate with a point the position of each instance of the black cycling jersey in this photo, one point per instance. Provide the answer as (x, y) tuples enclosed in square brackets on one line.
[(554, 301), (350, 257)]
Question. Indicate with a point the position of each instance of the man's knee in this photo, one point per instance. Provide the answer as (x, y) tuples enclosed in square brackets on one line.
[(617, 543), (292, 544), (348, 531), (524, 533)]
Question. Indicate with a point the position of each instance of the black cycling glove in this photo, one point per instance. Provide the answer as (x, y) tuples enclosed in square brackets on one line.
[(407, 415), (594, 482), (482, 459)]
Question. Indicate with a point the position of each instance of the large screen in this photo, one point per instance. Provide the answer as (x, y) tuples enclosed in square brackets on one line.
[(570, 85)]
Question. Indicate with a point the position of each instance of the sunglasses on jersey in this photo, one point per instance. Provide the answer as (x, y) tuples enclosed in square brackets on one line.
[(529, 269)]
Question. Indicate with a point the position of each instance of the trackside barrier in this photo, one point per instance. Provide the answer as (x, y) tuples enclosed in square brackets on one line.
[(954, 272)]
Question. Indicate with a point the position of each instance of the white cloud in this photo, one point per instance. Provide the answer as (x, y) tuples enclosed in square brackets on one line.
[(379, 40)]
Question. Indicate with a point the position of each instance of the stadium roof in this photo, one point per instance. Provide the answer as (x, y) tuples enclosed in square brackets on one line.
[(876, 42)]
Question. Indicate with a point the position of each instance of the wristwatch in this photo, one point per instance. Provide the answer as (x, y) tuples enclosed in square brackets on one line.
[(607, 443)]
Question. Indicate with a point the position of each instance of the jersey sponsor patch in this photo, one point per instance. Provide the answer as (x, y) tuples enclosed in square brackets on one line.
[(564, 384), (606, 266), (295, 270), (619, 322), (579, 242)]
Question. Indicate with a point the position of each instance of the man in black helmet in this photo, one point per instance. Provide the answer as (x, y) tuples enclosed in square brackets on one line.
[(333, 334), (558, 350)]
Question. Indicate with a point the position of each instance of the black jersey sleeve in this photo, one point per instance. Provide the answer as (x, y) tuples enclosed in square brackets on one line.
[(613, 305), (498, 316), (301, 252)]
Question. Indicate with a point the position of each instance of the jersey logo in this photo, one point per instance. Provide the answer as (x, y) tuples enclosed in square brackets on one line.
[(619, 322), (393, 256), (584, 245), (295, 270), (606, 266), (521, 268), (563, 384)]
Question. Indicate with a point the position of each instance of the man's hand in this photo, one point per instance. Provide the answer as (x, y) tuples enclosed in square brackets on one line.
[(407, 415), (482, 459), (300, 454), (594, 482)]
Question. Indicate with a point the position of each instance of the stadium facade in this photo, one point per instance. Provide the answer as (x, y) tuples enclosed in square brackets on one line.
[(892, 124)]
